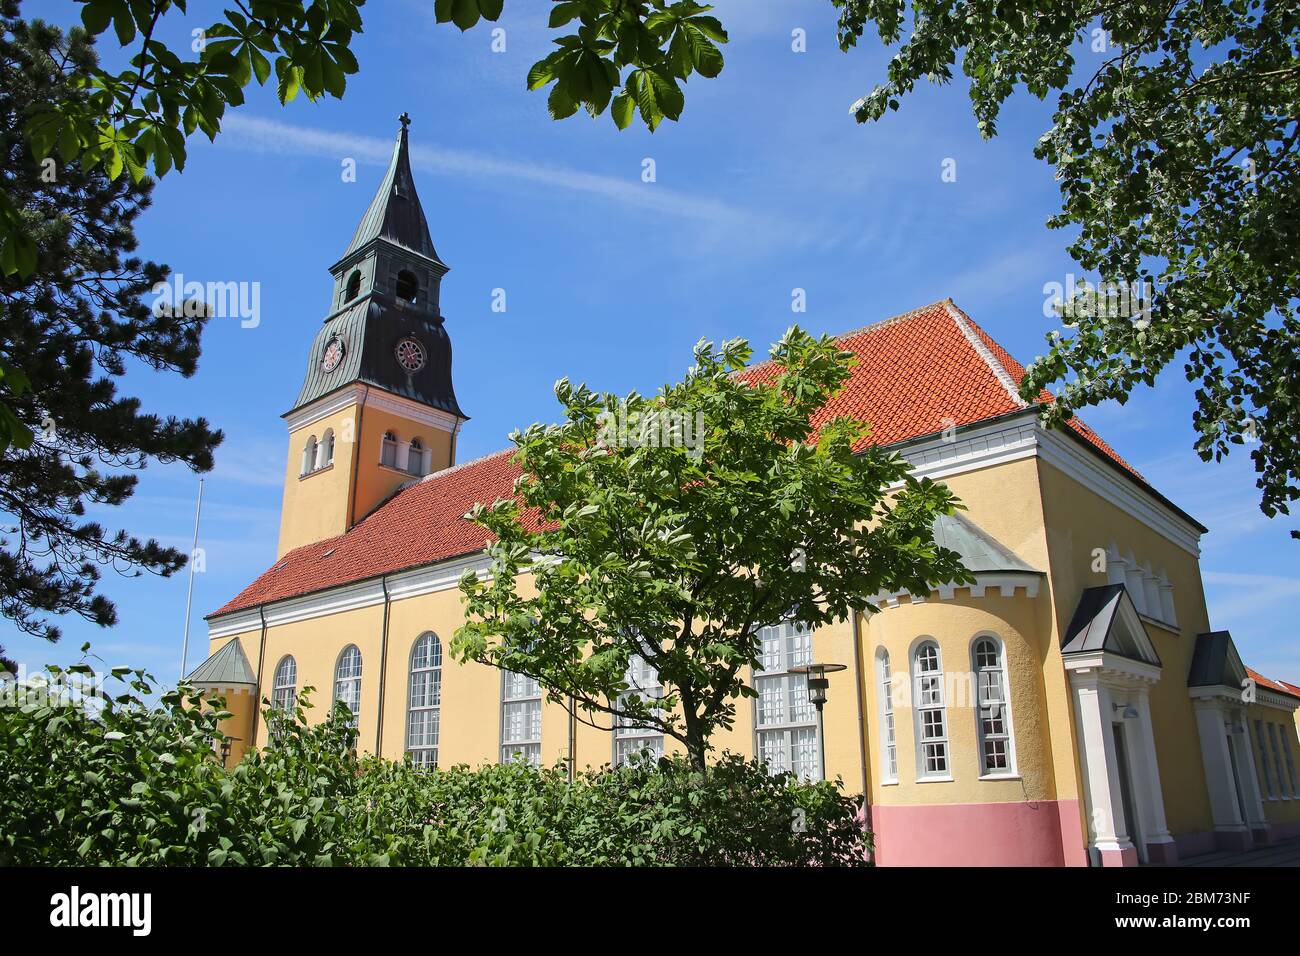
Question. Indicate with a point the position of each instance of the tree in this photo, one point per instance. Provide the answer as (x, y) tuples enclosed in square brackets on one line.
[(674, 528), (74, 322), (1179, 170)]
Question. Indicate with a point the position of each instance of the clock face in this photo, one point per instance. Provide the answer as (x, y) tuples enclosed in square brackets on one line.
[(410, 354), (332, 355)]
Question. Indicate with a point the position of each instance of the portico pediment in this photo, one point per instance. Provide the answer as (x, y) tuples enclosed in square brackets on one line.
[(1106, 624)]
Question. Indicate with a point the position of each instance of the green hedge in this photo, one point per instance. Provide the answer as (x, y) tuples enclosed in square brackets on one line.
[(124, 783)]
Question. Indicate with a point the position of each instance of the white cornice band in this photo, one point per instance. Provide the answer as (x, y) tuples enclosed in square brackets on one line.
[(359, 394), (1020, 437)]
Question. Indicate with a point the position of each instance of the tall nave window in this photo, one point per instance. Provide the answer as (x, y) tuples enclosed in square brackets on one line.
[(521, 718), (992, 716), (931, 711), (642, 681), (785, 723), (888, 740), (347, 680), (424, 701)]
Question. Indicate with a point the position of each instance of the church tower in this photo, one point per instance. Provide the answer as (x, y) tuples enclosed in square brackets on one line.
[(376, 409)]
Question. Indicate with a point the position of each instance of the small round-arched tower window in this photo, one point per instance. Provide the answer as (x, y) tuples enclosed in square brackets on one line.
[(407, 285), (354, 286)]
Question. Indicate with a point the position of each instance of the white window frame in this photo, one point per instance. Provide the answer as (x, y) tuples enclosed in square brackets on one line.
[(793, 734), (983, 733), (630, 739), (1265, 770), (888, 723), (1283, 790), (347, 684), (426, 678), (325, 450), (284, 685), (388, 450), (1290, 762), (528, 697), (932, 701), (308, 456), (415, 454)]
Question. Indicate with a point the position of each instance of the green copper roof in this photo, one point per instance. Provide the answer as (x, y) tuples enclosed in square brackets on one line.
[(395, 213), (227, 666), (980, 553)]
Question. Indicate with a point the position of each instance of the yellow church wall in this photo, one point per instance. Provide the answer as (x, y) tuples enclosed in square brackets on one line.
[(954, 624), (376, 482), (1079, 522), (316, 645), (470, 716), (1281, 798), (315, 504), (1007, 501), (242, 704)]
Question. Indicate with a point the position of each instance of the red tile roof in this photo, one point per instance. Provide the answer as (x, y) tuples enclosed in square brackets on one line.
[(917, 374), (924, 371), (421, 524), (1279, 686)]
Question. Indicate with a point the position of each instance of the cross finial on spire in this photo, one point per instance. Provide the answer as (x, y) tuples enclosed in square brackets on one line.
[(405, 120)]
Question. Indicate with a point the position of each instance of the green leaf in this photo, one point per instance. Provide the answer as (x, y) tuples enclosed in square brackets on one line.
[(464, 13), (564, 12), (96, 16), (623, 109), (560, 104), (124, 24)]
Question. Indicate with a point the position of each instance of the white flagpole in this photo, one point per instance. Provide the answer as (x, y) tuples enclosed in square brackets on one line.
[(189, 594)]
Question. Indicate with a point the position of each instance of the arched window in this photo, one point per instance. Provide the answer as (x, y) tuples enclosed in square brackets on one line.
[(629, 739), (354, 286), (424, 701), (785, 724), (408, 286), (992, 715), (415, 457), (308, 456), (388, 450), (521, 719), (888, 740), (284, 688), (325, 450), (930, 711), (347, 680)]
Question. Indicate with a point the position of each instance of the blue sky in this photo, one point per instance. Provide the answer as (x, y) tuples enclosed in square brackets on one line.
[(766, 185)]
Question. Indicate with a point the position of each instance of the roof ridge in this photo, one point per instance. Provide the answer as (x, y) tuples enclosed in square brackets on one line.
[(966, 326), (902, 316), (455, 468)]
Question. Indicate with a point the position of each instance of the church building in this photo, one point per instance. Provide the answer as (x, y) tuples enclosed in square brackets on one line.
[(1074, 706)]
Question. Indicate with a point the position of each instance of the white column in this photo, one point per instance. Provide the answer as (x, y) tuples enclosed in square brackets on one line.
[(1147, 773), (1167, 601), (403, 453), (1224, 808), (1253, 811), (1105, 804), (1136, 586)]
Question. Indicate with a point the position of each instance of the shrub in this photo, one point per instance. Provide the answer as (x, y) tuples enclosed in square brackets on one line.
[(94, 779)]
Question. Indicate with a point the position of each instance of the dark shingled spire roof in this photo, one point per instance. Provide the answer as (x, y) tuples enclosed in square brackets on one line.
[(395, 213)]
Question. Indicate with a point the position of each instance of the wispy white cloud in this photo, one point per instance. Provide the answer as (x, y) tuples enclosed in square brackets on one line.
[(270, 136), (1249, 595)]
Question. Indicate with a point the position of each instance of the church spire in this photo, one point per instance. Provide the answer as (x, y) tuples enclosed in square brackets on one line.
[(395, 214)]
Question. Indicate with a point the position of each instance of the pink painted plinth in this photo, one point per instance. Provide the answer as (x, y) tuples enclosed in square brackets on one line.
[(1038, 833)]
